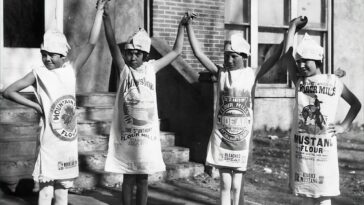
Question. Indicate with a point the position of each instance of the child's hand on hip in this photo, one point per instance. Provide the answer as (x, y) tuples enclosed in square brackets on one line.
[(335, 129)]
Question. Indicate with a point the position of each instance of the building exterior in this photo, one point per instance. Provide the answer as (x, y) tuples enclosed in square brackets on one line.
[(187, 104)]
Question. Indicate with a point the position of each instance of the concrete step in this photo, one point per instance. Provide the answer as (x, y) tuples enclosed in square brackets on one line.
[(89, 180), (167, 138), (101, 113), (92, 161), (93, 127), (95, 160), (5, 103), (175, 154), (89, 143), (183, 170), (19, 131), (13, 112), (88, 140), (18, 114), (14, 170), (96, 142), (10, 151), (82, 99), (95, 99)]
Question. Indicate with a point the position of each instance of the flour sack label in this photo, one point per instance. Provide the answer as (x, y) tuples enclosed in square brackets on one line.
[(63, 118), (234, 121)]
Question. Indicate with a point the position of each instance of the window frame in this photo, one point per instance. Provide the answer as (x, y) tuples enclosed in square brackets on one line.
[(252, 28), (53, 13)]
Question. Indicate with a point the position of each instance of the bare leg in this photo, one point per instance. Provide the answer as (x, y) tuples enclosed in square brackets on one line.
[(241, 195), (236, 186), (60, 196), (323, 201), (127, 192), (142, 189), (61, 191), (225, 186), (45, 193)]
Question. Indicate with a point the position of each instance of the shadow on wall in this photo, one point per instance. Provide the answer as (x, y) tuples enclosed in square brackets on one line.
[(78, 21), (187, 108)]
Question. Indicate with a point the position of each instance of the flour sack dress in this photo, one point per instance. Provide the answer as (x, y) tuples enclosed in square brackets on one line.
[(314, 160), (233, 121), (58, 148), (134, 144)]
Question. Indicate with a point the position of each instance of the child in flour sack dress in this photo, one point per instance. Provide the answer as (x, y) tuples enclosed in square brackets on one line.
[(134, 143), (314, 171), (55, 88), (228, 148)]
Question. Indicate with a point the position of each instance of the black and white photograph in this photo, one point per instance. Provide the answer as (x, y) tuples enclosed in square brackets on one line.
[(181, 102)]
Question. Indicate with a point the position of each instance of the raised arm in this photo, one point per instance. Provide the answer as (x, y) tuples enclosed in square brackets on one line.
[(12, 92), (111, 41), (275, 53), (204, 60), (287, 59), (355, 106), (176, 51), (86, 51)]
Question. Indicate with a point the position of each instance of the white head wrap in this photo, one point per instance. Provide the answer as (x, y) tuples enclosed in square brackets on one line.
[(309, 49), (239, 44), (139, 40), (55, 41)]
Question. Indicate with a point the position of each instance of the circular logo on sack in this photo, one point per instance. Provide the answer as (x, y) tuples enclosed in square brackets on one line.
[(234, 119), (63, 118)]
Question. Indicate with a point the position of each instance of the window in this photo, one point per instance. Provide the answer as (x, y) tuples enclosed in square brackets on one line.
[(23, 23), (264, 23), (21, 33)]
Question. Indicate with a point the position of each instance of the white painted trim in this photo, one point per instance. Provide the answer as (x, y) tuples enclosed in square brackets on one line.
[(330, 47), (254, 33)]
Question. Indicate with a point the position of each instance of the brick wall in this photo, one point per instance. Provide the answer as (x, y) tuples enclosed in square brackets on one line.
[(208, 27)]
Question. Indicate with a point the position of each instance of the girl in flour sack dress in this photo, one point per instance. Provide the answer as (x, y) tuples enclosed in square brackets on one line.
[(314, 171), (134, 143), (228, 148), (54, 83)]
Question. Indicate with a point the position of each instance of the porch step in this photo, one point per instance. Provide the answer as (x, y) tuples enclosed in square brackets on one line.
[(5, 103), (100, 113), (90, 143), (19, 129), (93, 127), (98, 142), (95, 160), (175, 154), (89, 180), (18, 114), (12, 171), (167, 138), (100, 99)]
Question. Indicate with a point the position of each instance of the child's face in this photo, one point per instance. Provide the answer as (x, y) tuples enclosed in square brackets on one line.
[(307, 67), (134, 58), (52, 60), (233, 60)]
